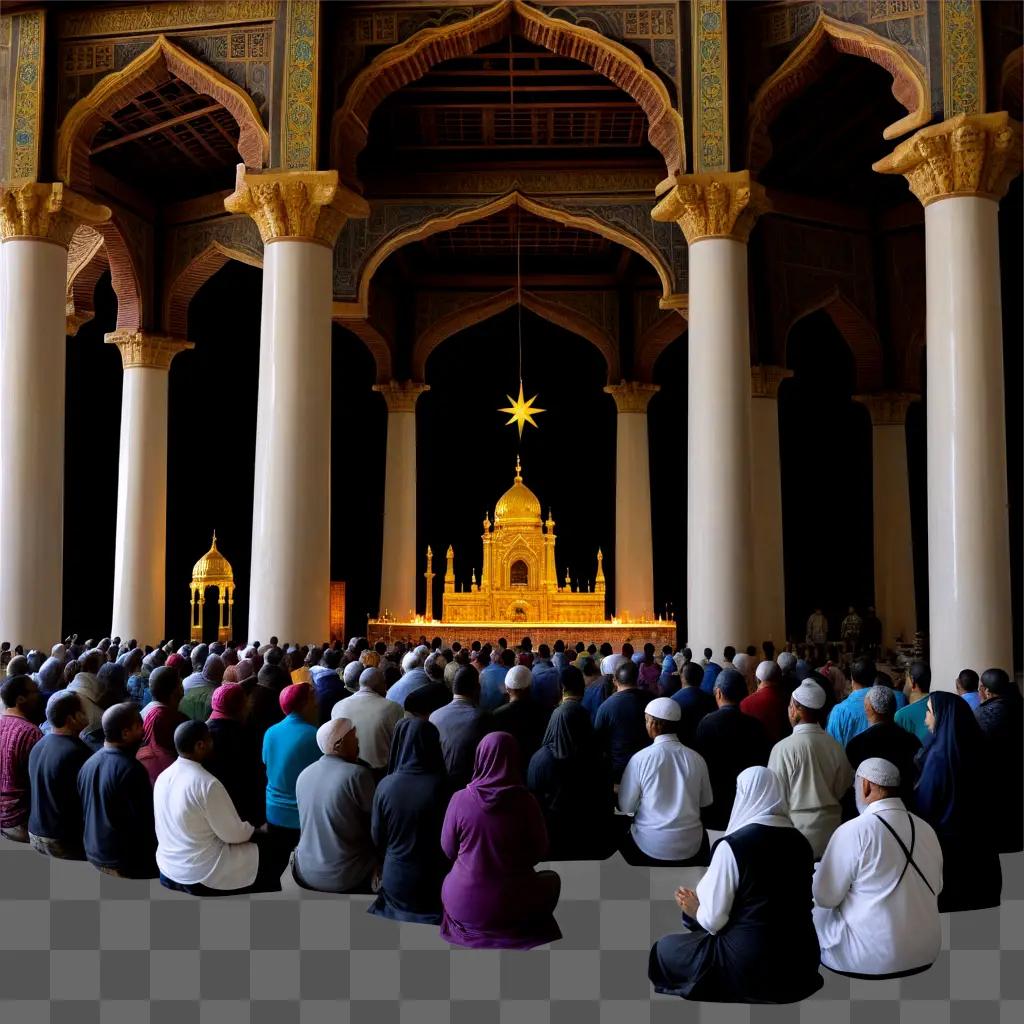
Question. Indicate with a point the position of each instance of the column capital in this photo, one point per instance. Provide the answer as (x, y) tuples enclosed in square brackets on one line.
[(48, 212), (719, 204), (401, 396), (632, 395), (297, 206), (966, 155), (140, 348), (888, 408), (765, 380)]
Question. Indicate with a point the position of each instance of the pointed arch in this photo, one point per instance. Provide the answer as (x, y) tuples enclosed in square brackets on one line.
[(806, 64), (414, 57), (448, 221), (87, 260), (859, 334), (491, 305), (161, 62), (655, 340), (198, 271)]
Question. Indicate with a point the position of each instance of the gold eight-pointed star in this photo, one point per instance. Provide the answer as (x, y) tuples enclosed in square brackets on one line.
[(521, 410)]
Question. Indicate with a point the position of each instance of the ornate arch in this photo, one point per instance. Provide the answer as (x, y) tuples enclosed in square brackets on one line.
[(162, 61), (87, 259), (806, 63), (446, 222), (655, 340), (1011, 83), (414, 57), (198, 271), (124, 274), (492, 305), (859, 334)]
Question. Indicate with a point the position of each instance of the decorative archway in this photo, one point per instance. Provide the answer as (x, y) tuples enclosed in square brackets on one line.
[(859, 334), (87, 260), (161, 62), (414, 57), (446, 222), (491, 305), (655, 340), (806, 64), (193, 277)]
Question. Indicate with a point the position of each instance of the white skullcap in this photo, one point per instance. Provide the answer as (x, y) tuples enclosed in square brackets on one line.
[(608, 664), (786, 660), (370, 677), (518, 677), (332, 732), (411, 661), (664, 708), (422, 650), (766, 670), (741, 662), (880, 772), (882, 700), (809, 695), (351, 674)]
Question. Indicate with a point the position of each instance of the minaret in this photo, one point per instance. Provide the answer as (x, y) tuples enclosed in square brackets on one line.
[(429, 577), (485, 572), (599, 578), (568, 582), (472, 586), (449, 573), (550, 569)]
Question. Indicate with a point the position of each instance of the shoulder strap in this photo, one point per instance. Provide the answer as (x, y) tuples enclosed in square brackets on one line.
[(911, 863)]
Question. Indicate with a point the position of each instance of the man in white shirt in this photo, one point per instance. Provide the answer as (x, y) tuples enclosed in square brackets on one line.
[(664, 787), (812, 768), (374, 718), (876, 890), (203, 847)]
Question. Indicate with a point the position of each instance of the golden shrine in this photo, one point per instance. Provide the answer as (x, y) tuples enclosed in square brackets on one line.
[(518, 591), (212, 570)]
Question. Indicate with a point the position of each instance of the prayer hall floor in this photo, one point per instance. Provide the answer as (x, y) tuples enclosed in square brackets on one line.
[(86, 948)]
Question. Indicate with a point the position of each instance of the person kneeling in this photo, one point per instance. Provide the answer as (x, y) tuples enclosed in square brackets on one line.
[(664, 787), (876, 890), (203, 846), (751, 936)]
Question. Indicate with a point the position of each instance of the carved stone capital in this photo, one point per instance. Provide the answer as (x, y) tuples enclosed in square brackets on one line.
[(631, 395), (967, 155), (888, 409), (401, 396), (46, 212), (765, 380), (303, 206), (714, 205), (140, 348)]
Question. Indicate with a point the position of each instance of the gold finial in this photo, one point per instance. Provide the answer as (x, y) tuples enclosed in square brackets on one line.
[(519, 471), (430, 554)]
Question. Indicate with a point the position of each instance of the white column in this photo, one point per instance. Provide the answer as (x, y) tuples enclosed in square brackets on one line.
[(140, 550), (36, 224), (634, 549), (769, 579), (960, 169), (398, 561), (895, 603), (716, 212), (299, 214)]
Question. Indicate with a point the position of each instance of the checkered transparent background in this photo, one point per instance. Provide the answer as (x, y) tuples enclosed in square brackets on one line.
[(79, 947)]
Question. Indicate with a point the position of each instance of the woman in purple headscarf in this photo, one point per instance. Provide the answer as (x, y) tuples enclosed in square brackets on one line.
[(494, 833)]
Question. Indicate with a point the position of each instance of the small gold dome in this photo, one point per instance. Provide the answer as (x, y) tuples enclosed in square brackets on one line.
[(518, 504), (213, 566)]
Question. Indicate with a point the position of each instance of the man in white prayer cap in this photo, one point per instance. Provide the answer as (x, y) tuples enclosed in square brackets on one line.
[(876, 890), (664, 788), (812, 768)]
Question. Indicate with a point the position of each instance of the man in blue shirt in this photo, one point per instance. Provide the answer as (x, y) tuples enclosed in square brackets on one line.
[(694, 701), (848, 718), (546, 691), (713, 668), (967, 687), (492, 681), (911, 717), (620, 726)]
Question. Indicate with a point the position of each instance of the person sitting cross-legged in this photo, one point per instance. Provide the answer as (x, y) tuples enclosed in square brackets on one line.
[(664, 788), (160, 718), (203, 846), (751, 937), (55, 815), (876, 890), (619, 723), (461, 724), (522, 715), (374, 716), (336, 852), (19, 733)]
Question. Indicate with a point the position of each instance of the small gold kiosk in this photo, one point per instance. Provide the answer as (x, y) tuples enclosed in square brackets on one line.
[(212, 570)]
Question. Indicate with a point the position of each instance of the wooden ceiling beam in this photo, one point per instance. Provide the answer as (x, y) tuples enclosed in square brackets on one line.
[(156, 127)]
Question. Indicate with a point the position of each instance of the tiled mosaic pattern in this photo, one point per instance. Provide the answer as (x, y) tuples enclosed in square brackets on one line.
[(77, 947)]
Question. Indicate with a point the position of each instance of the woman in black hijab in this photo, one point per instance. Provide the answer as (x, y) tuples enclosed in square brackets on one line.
[(574, 788), (408, 811)]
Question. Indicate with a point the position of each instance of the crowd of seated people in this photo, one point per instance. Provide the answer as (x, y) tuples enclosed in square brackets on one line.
[(836, 815)]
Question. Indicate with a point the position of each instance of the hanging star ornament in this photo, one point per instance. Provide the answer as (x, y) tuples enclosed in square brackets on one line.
[(521, 410)]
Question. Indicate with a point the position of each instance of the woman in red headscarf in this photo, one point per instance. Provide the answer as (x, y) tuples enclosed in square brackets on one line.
[(494, 832)]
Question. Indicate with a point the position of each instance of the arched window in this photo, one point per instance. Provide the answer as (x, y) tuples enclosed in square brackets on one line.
[(519, 574)]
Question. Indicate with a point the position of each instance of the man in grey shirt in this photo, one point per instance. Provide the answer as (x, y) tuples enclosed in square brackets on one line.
[(335, 796), (462, 725)]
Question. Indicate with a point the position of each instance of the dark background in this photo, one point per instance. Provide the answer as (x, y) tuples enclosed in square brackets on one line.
[(466, 456)]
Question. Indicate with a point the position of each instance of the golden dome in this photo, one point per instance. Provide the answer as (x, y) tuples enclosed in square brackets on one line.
[(518, 504), (213, 566)]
